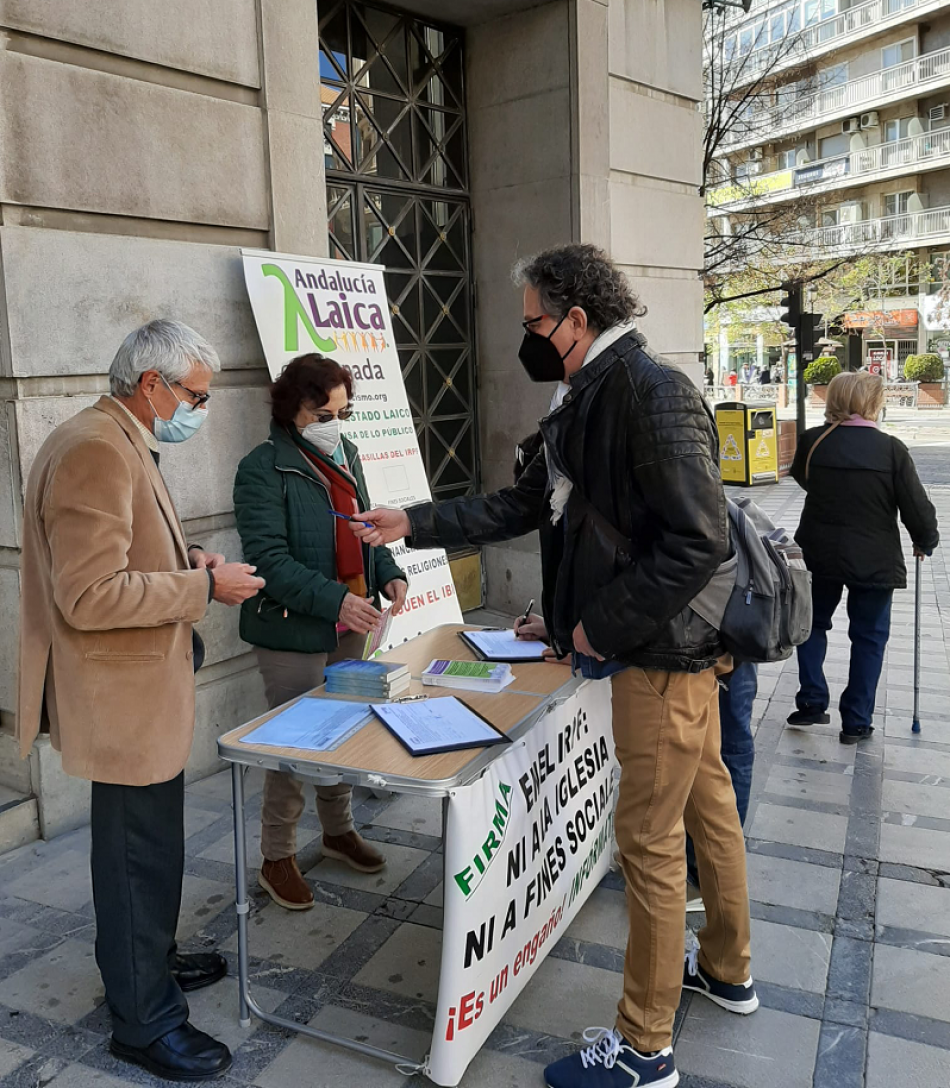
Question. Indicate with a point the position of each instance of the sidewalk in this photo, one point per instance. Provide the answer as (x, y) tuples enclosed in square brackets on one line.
[(849, 871)]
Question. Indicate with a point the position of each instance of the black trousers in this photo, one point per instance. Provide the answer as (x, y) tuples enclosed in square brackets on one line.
[(138, 859)]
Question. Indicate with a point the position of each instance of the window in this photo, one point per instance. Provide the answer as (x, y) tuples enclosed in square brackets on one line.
[(729, 48), (745, 41), (786, 160), (898, 53), (839, 144), (897, 203), (896, 130), (834, 76)]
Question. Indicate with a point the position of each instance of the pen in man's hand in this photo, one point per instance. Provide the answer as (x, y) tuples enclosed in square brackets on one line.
[(527, 611), (365, 524)]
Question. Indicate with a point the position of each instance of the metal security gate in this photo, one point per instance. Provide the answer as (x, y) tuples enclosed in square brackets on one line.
[(397, 178)]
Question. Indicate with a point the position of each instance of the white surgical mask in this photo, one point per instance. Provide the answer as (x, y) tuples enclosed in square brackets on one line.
[(325, 436)]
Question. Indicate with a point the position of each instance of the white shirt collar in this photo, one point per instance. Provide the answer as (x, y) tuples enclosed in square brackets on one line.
[(598, 347), (150, 440)]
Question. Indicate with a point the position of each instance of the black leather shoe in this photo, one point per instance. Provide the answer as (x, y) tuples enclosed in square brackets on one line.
[(184, 1053), (195, 971)]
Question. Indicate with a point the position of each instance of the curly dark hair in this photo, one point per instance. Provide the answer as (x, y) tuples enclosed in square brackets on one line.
[(580, 275), (307, 379)]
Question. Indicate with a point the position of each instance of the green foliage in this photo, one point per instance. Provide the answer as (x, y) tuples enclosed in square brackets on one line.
[(924, 368), (822, 370)]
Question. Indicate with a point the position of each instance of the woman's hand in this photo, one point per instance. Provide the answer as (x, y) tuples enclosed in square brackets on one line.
[(532, 629), (396, 592), (358, 614)]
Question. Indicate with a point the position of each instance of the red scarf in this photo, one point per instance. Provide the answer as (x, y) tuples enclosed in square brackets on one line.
[(343, 497)]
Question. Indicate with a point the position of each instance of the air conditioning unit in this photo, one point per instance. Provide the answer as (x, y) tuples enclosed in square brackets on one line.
[(870, 120), (756, 154), (850, 213), (851, 124), (938, 113)]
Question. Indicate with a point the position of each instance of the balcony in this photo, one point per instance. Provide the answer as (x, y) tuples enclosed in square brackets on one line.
[(913, 155), (858, 23), (913, 77), (892, 232)]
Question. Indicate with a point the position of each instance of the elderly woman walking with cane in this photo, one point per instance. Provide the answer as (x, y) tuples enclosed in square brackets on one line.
[(859, 480)]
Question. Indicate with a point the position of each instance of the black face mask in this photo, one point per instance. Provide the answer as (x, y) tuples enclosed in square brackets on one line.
[(541, 359)]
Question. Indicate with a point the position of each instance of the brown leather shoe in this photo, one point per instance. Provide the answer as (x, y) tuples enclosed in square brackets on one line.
[(355, 851), (284, 884)]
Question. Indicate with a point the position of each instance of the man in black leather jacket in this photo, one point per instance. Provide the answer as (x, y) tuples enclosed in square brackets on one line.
[(628, 500)]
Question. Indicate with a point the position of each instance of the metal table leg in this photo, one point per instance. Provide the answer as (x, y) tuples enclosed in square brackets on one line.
[(242, 906)]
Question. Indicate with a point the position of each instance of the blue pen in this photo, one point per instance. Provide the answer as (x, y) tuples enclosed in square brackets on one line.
[(346, 517)]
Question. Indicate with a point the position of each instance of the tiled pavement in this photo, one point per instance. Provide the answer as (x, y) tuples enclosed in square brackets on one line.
[(849, 870)]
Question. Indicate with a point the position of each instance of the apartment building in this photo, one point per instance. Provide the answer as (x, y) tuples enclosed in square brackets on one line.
[(846, 119)]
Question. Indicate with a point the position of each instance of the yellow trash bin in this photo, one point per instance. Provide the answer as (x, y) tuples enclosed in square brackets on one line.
[(748, 442)]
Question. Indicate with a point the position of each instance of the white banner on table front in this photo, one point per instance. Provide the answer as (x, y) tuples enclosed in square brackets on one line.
[(340, 309), (524, 847)]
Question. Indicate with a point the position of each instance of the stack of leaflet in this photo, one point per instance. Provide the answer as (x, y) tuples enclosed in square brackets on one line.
[(469, 675), (367, 679)]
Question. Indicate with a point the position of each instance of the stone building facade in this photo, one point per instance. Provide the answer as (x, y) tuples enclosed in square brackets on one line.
[(142, 145)]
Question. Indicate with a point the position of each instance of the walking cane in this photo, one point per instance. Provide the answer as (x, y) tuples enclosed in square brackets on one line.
[(915, 727)]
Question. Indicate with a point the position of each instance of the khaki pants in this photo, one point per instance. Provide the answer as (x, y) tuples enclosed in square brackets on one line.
[(287, 675), (666, 729)]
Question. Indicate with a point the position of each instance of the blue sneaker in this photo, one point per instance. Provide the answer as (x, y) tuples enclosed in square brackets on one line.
[(611, 1062), (736, 998)]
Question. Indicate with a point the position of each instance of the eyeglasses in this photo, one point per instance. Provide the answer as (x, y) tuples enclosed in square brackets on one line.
[(328, 417), (200, 399), (528, 322)]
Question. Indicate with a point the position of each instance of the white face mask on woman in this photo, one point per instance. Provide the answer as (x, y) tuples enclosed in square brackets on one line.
[(325, 436)]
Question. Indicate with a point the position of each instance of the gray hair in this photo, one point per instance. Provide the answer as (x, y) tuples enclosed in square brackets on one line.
[(580, 275), (168, 347)]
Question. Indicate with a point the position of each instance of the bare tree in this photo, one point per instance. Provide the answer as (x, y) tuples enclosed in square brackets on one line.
[(752, 87)]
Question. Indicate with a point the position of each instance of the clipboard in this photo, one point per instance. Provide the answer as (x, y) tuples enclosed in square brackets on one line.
[(485, 655), (396, 717)]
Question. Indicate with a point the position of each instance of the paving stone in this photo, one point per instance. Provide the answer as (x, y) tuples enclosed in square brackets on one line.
[(201, 902), (779, 823), (893, 1062), (83, 1076), (789, 956), (310, 1061), (541, 1006), (917, 760), (792, 883), (217, 787), (935, 731), (423, 815), (223, 849), (297, 938), (12, 1055), (768, 1050), (911, 981), (62, 881), (916, 799), (603, 919), (197, 819), (913, 906), (401, 861), (408, 963), (918, 846), (489, 1069), (64, 985), (822, 786), (806, 744)]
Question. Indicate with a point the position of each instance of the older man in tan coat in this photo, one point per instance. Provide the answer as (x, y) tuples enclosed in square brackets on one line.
[(109, 593)]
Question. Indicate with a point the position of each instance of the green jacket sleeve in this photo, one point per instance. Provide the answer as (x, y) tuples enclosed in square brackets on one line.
[(384, 564), (261, 514)]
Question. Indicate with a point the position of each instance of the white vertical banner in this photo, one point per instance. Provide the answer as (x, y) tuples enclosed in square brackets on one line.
[(340, 309), (525, 846)]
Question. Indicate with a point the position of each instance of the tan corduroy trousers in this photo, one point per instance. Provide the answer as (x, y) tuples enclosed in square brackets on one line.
[(673, 780)]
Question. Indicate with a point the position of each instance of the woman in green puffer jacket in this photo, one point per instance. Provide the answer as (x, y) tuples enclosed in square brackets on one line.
[(321, 592)]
